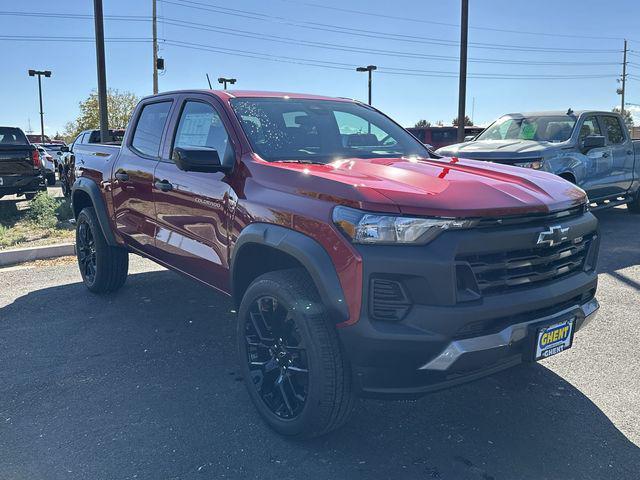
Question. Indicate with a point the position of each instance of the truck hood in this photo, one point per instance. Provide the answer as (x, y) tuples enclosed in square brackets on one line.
[(500, 149), (448, 187)]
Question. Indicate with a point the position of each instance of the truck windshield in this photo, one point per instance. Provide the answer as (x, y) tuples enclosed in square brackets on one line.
[(12, 136), (281, 129), (545, 128)]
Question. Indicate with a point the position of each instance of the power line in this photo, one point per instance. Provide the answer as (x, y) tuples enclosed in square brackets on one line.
[(385, 70), (324, 45), (47, 38), (302, 61), (445, 24), (370, 33), (341, 47)]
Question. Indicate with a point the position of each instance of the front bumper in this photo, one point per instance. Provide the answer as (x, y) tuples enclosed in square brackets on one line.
[(448, 336)]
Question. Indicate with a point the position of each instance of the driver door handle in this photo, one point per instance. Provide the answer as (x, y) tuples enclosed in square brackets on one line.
[(163, 186), (122, 176), (605, 154)]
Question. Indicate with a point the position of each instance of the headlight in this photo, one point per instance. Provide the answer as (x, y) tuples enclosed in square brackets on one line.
[(536, 164), (373, 228)]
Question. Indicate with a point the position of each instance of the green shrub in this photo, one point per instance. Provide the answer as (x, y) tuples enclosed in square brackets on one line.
[(42, 210), (64, 211)]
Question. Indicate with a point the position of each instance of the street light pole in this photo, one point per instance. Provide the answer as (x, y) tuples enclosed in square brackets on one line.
[(462, 90), (154, 32), (39, 74), (102, 72), (370, 69), (224, 81)]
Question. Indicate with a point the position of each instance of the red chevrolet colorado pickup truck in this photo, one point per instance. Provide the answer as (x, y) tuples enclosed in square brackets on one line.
[(359, 265)]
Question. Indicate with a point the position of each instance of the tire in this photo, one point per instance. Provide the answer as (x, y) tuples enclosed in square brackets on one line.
[(66, 191), (634, 205), (320, 400), (103, 268), (51, 179), (29, 196)]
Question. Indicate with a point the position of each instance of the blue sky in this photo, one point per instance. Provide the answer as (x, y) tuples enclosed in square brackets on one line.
[(589, 33)]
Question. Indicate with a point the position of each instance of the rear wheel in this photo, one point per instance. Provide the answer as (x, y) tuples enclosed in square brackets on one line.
[(29, 196), (293, 364), (103, 268)]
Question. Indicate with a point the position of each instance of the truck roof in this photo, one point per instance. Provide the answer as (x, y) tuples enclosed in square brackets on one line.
[(575, 113), (228, 94)]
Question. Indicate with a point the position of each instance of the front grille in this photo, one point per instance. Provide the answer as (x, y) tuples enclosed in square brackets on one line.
[(535, 218), (388, 301), (512, 270)]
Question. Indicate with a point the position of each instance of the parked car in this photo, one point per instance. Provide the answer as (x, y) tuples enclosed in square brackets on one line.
[(437, 137), (48, 164), (21, 170), (358, 264), (67, 156), (589, 148)]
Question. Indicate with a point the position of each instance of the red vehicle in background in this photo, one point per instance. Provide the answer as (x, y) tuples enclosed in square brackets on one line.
[(438, 137)]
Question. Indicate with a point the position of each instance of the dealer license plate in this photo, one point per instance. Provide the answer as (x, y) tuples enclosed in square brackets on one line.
[(554, 338)]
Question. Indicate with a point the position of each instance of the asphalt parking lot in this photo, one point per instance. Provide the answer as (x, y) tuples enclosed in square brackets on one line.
[(143, 384)]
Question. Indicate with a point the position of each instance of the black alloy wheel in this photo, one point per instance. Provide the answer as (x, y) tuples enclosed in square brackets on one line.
[(86, 245), (277, 358)]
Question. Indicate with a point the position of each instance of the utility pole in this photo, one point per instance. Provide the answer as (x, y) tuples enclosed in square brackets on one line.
[(102, 72), (154, 23), (624, 77), (462, 88), (224, 81), (47, 74), (370, 69)]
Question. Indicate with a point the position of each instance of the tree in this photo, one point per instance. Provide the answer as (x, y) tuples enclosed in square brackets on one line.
[(120, 105), (422, 124), (467, 121), (628, 118)]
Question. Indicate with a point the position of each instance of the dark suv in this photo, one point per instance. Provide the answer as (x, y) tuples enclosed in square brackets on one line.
[(21, 171), (359, 265)]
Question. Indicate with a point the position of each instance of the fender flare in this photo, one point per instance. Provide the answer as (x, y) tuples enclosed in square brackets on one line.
[(313, 257), (90, 187)]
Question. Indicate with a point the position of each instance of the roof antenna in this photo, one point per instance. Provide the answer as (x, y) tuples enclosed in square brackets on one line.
[(208, 80), (569, 112)]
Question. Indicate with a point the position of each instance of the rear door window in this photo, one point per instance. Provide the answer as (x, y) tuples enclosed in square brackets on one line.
[(148, 133), (612, 126)]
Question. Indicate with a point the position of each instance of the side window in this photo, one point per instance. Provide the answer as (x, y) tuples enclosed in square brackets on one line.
[(200, 126), (614, 129), (148, 133), (589, 127)]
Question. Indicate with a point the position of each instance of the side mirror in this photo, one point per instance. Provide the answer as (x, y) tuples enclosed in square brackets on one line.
[(592, 141), (63, 148), (469, 138), (198, 160)]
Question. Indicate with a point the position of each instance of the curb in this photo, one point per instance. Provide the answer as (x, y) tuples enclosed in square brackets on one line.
[(21, 255)]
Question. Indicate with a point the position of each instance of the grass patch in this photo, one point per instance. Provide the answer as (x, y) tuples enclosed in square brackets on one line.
[(45, 221)]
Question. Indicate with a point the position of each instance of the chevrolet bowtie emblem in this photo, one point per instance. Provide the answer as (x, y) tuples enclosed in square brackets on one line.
[(553, 236)]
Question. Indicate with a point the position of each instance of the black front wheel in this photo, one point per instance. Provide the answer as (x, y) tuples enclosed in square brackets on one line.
[(634, 205), (103, 268), (293, 364)]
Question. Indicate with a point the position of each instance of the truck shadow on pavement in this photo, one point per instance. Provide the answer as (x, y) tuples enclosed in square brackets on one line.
[(145, 382), (620, 231)]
